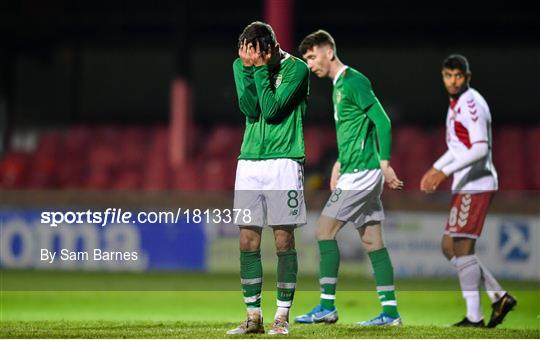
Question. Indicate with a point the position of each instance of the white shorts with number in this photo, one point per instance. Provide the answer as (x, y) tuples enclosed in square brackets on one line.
[(357, 198), (272, 190)]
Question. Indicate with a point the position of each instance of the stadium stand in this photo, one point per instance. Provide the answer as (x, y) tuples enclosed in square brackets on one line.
[(136, 158)]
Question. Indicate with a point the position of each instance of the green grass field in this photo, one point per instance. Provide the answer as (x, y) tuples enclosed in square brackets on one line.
[(206, 312)]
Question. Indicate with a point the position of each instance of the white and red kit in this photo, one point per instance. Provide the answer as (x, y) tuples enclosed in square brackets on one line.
[(469, 141)]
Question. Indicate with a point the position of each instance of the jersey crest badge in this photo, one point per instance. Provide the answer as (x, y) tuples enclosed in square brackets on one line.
[(338, 96), (277, 80)]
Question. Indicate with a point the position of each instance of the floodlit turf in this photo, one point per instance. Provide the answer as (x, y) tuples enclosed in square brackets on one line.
[(209, 313), (28, 280), (198, 329)]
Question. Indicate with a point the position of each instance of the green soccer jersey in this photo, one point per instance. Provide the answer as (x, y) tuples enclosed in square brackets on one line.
[(361, 123), (274, 101)]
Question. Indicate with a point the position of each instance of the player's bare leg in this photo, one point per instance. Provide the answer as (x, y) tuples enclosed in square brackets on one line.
[(251, 279), (447, 248), (250, 238), (372, 241), (287, 270), (464, 246), (327, 228), (371, 236)]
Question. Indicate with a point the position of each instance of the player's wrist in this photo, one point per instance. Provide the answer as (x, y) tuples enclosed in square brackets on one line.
[(384, 163), (446, 172)]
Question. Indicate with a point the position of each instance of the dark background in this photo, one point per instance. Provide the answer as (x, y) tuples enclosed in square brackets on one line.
[(70, 62)]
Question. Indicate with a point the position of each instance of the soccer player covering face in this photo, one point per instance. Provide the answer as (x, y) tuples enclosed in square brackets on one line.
[(468, 159), (357, 180), (272, 88)]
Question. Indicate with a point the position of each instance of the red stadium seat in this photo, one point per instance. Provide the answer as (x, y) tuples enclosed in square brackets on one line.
[(98, 179), (313, 141), (131, 158), (438, 143), (13, 170), (218, 175), (129, 179), (223, 141), (187, 178), (329, 142), (509, 158)]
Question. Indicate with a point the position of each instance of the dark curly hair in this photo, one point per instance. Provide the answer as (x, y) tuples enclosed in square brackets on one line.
[(260, 32)]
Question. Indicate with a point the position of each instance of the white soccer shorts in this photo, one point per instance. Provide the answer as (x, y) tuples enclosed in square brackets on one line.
[(357, 198), (272, 190)]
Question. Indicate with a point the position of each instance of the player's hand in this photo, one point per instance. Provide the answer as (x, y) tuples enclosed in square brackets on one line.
[(335, 175), (433, 180), (261, 57), (246, 53), (426, 181), (390, 176)]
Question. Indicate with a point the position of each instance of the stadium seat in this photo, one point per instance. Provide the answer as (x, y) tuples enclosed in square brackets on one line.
[(13, 170), (187, 178), (223, 140), (98, 179), (156, 173), (131, 158), (218, 174), (411, 155), (329, 141), (438, 143), (313, 141), (532, 150), (509, 158), (50, 142), (43, 173), (128, 179), (103, 155), (70, 175)]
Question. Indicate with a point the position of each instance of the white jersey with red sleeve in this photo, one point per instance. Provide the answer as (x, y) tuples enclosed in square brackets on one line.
[(469, 122)]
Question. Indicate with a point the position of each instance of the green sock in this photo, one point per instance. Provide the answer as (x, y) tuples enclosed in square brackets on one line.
[(328, 271), (384, 279), (287, 269), (251, 277)]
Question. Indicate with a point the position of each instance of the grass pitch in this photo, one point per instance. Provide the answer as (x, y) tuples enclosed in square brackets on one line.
[(199, 313), (199, 329)]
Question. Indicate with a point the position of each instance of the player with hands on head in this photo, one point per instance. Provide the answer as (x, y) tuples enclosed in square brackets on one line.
[(272, 88)]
